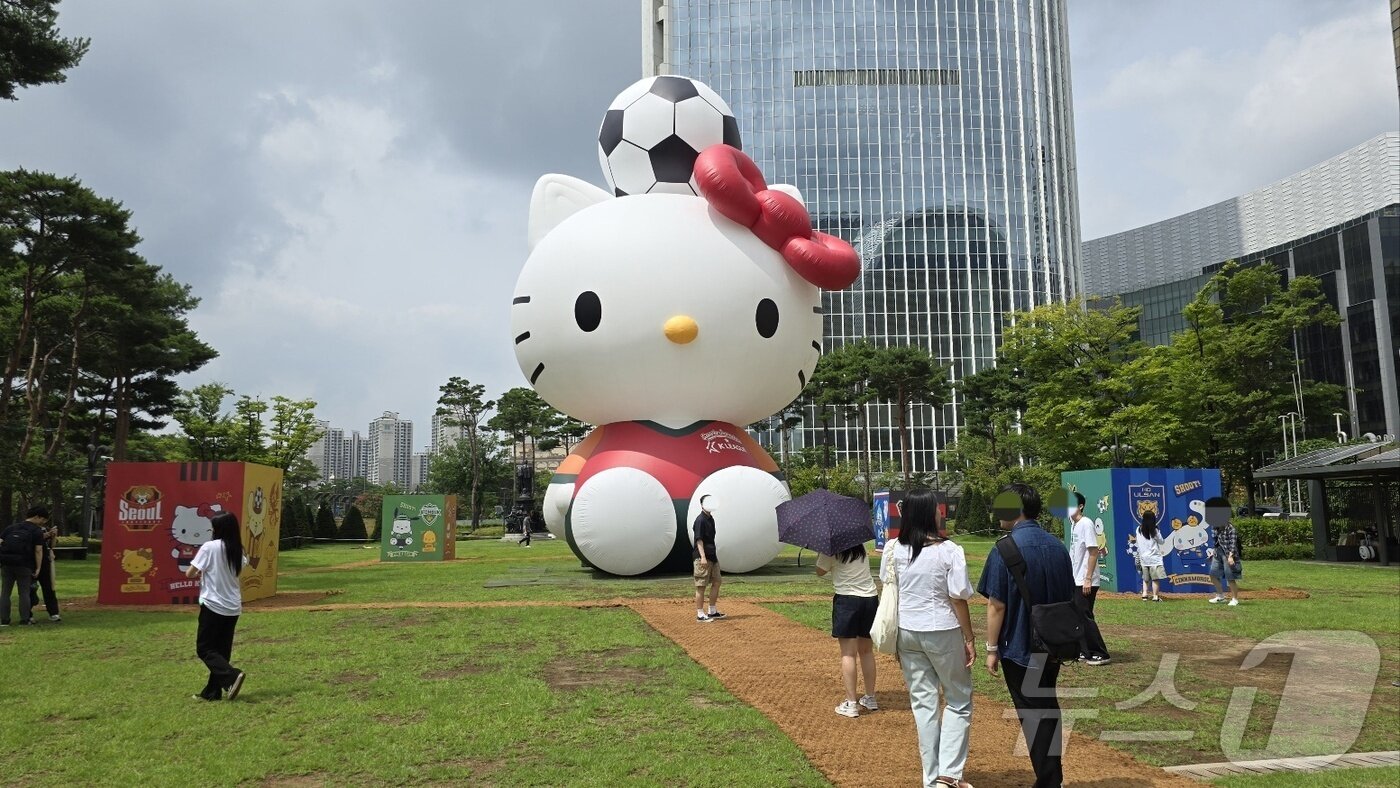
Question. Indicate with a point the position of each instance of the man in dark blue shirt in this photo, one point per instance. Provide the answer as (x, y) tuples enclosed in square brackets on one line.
[(1030, 676)]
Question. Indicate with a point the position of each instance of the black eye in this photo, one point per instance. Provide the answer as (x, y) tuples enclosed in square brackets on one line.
[(766, 316), (588, 310)]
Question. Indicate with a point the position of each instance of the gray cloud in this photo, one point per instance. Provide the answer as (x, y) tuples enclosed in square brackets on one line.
[(345, 182)]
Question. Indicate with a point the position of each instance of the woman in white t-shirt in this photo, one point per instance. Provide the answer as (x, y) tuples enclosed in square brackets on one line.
[(852, 614), (936, 645), (1149, 554), (217, 566)]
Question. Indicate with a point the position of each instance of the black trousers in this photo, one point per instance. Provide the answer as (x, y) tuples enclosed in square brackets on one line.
[(46, 583), (1033, 692), (1091, 645), (214, 645), (10, 578)]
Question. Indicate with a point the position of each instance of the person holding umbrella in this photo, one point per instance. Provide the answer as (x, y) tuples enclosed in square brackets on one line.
[(836, 528), (936, 644)]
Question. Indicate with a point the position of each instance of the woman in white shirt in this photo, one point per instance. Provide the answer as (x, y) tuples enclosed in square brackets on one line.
[(1149, 554), (852, 613), (217, 566), (936, 644)]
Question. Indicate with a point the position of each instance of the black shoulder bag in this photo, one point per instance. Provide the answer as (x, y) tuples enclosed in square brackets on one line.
[(1056, 628)]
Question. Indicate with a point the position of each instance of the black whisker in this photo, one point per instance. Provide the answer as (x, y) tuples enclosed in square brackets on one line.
[(802, 378), (522, 337), (520, 300), (817, 310), (536, 376), (815, 344)]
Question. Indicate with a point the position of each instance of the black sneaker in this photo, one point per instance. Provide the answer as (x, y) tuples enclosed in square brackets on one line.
[(236, 685), (716, 615)]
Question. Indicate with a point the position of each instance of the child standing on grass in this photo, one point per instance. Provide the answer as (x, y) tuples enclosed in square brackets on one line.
[(852, 614), (217, 566), (1149, 555)]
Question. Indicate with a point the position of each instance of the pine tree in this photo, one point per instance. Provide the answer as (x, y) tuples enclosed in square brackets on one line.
[(378, 534), (290, 537), (325, 524), (352, 526)]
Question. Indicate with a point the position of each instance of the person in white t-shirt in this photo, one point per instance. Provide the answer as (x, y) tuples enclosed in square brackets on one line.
[(1084, 555), (217, 566), (935, 647), (1148, 548), (852, 614)]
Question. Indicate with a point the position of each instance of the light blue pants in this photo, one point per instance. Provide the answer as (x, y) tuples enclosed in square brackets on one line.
[(934, 662)]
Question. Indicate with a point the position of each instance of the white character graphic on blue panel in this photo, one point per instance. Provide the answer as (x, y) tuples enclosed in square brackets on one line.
[(1190, 539)]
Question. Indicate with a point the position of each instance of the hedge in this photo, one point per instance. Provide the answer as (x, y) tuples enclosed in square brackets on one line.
[(1279, 552), (1258, 532)]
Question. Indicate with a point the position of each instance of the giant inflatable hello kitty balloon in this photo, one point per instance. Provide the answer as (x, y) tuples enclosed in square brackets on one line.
[(671, 320)]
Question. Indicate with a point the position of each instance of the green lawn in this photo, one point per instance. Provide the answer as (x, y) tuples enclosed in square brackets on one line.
[(1212, 642), (550, 696)]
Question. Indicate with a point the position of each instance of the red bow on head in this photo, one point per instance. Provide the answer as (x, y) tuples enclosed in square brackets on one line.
[(735, 187), (208, 510)]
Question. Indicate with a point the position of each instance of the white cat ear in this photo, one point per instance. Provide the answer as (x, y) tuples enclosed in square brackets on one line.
[(556, 198), (789, 190)]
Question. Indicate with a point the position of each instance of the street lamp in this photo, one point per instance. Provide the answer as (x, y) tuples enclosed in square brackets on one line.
[(91, 479), (1118, 451), (1287, 421)]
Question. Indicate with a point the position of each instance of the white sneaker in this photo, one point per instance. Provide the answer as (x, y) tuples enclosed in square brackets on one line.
[(1234, 603), (868, 701), (702, 618), (1217, 598), (848, 709), (55, 617)]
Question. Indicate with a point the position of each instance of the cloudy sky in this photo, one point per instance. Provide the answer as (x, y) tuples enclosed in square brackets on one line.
[(345, 182)]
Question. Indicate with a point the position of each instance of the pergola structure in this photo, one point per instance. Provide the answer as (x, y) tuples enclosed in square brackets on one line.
[(1374, 463)]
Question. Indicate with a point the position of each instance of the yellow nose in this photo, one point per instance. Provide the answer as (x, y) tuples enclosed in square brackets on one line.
[(681, 329)]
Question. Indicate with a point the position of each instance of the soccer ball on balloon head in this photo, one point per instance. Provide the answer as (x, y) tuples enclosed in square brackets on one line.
[(654, 130)]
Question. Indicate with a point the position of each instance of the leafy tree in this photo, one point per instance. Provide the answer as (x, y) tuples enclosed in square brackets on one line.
[(1238, 350), (521, 414), (31, 49), (247, 441), (904, 375), (352, 526), (1089, 384), (206, 429), (325, 523), (451, 472), (462, 405)]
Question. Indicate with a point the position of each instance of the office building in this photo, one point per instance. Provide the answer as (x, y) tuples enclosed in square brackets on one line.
[(935, 136), (1338, 221)]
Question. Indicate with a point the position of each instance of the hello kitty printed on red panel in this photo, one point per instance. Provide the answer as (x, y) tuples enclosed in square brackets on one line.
[(668, 320)]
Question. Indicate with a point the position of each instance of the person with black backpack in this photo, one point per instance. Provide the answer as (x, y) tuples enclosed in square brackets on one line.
[(1032, 622), (21, 555)]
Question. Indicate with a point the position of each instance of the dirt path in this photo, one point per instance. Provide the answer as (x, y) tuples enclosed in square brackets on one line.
[(791, 673)]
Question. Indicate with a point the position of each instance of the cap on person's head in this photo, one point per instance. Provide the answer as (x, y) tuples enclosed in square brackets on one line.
[(37, 511)]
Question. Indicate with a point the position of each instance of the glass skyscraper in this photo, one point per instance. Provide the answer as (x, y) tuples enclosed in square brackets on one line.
[(934, 135)]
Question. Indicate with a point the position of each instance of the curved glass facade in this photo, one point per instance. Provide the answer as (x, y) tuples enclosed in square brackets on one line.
[(934, 135)]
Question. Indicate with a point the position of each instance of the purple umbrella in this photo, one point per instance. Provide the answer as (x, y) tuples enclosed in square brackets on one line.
[(825, 522)]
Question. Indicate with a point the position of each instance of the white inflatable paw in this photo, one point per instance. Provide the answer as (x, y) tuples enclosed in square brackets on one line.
[(743, 501), (623, 521)]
